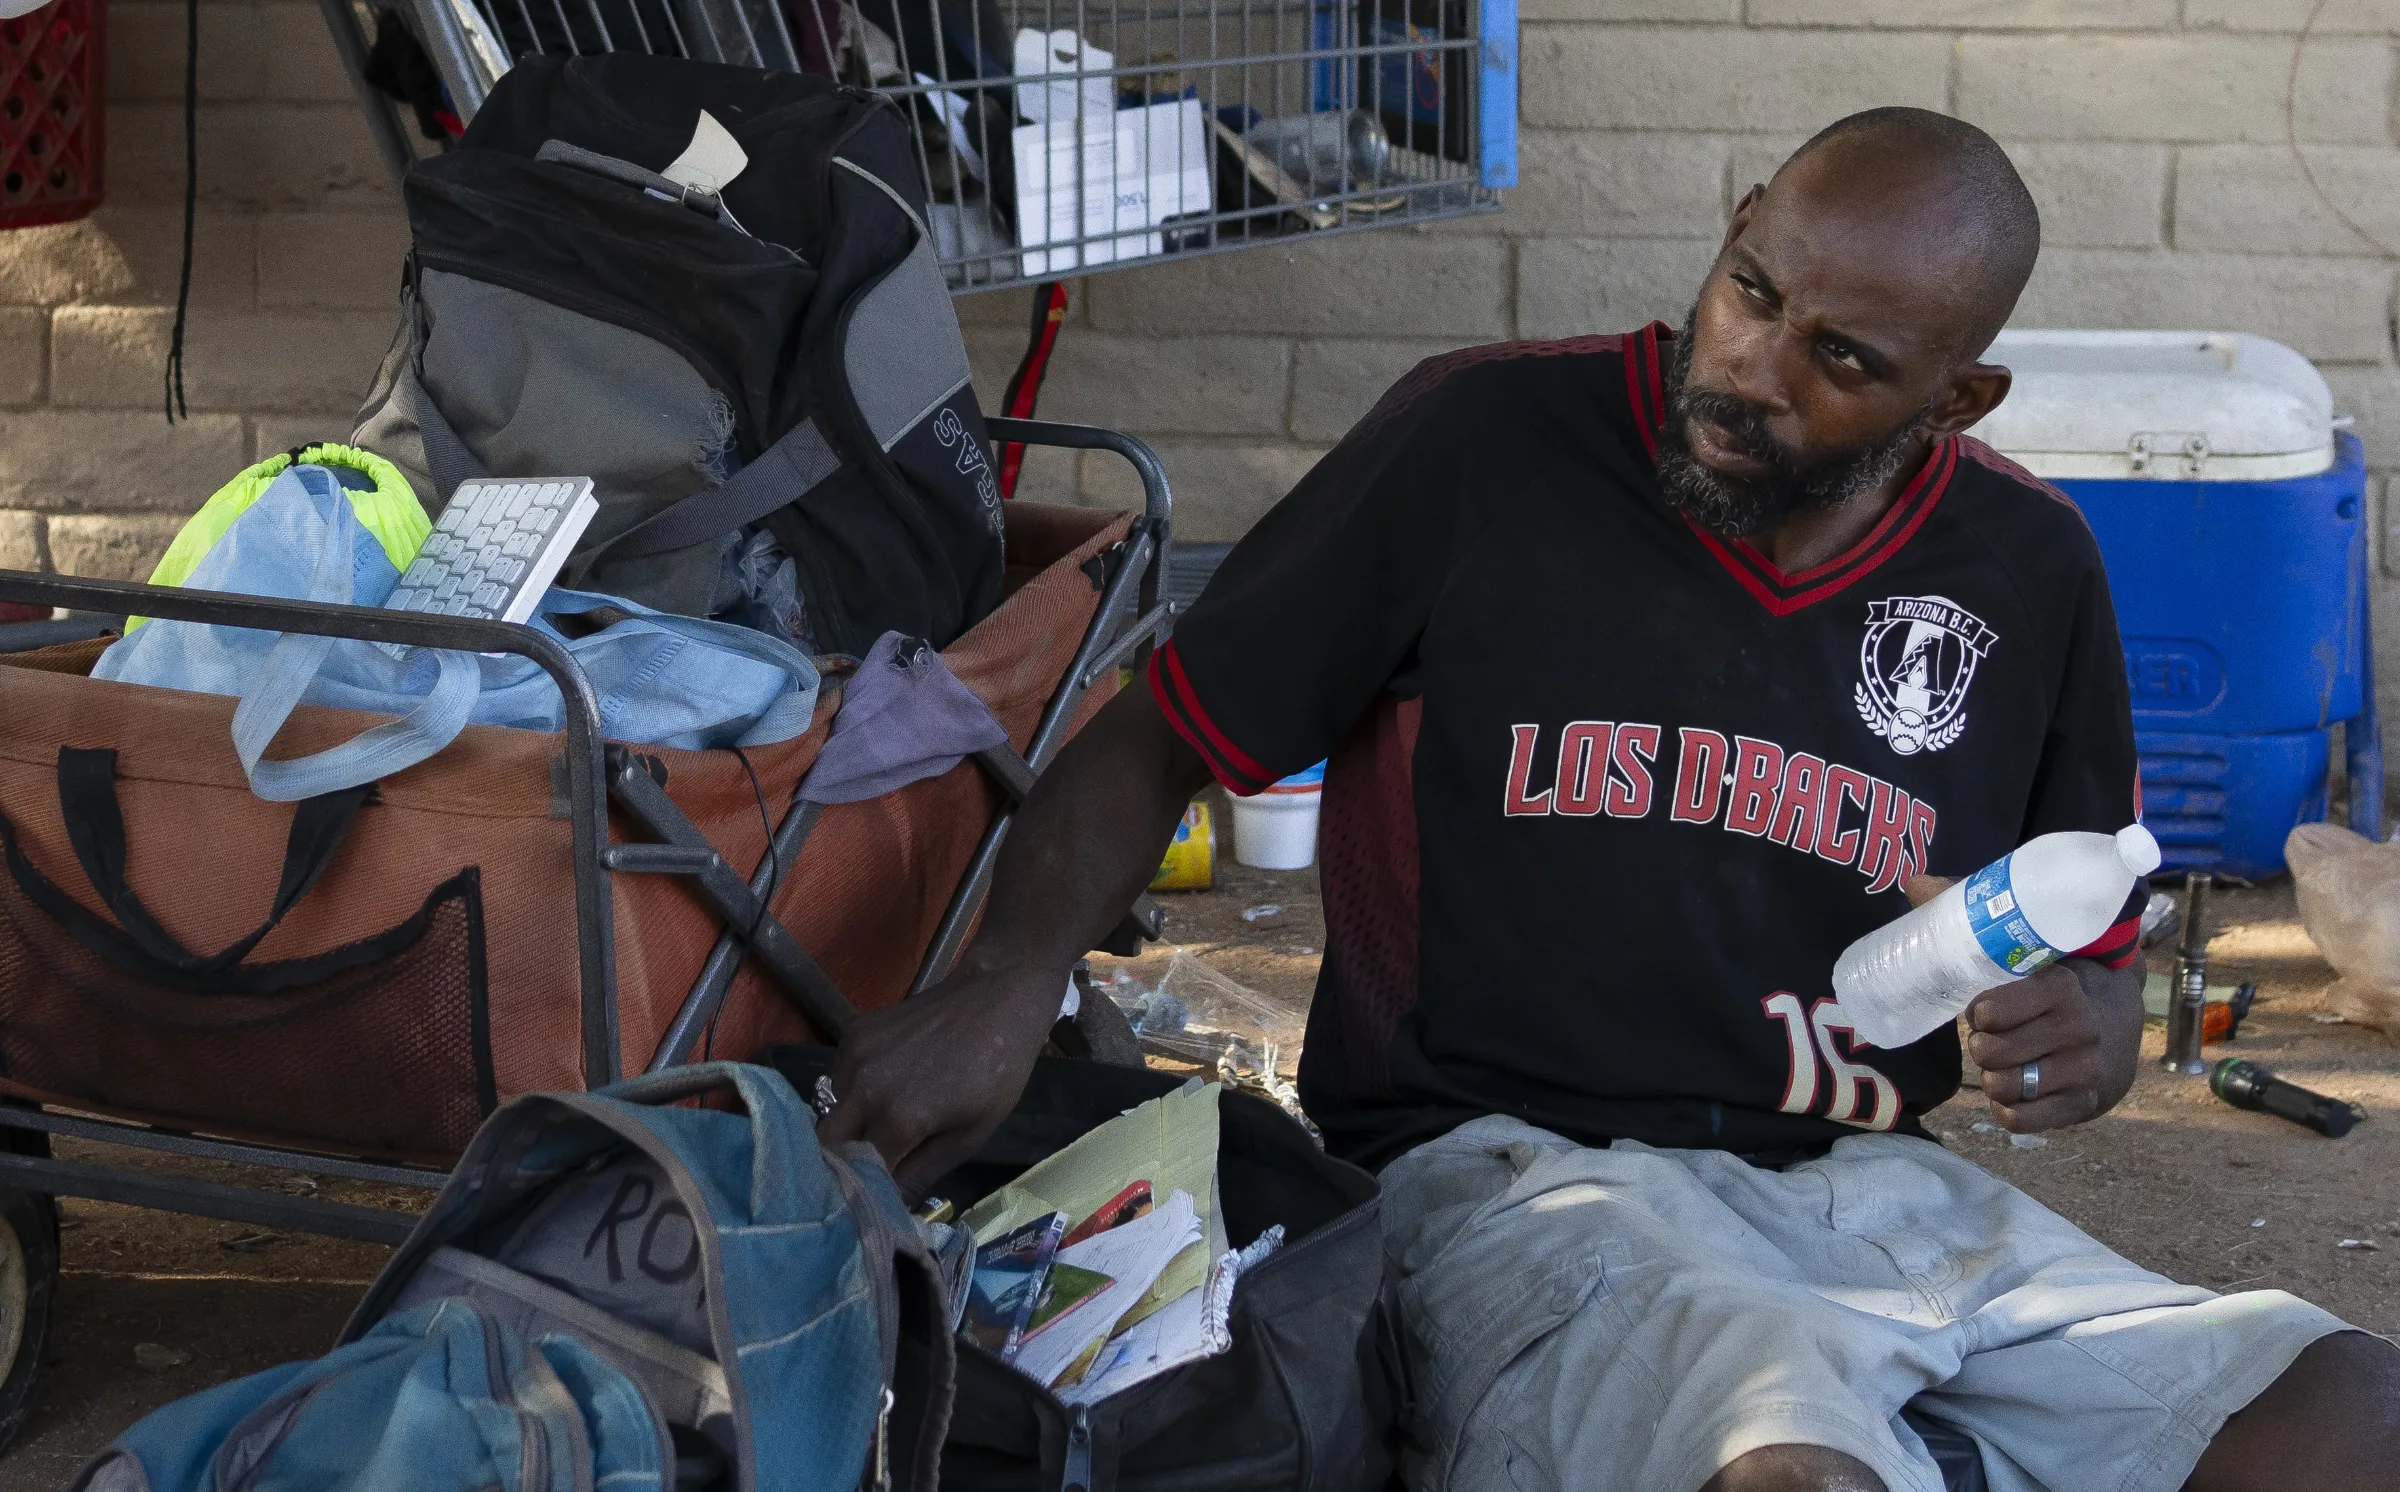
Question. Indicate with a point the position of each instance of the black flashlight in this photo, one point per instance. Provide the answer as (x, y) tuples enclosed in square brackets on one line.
[(2246, 1085)]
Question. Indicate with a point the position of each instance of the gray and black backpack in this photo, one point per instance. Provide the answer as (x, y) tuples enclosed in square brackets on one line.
[(766, 381)]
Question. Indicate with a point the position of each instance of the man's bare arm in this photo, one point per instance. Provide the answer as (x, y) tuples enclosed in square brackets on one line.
[(927, 1081)]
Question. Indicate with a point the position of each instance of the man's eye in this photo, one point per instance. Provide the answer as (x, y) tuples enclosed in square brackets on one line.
[(1750, 288), (1844, 356)]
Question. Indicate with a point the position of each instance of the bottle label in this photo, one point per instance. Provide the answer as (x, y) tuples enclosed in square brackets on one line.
[(1999, 923)]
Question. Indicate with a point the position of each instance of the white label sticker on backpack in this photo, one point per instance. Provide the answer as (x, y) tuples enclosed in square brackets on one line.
[(711, 161)]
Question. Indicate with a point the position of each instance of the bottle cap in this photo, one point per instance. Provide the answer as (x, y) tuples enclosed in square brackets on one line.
[(2137, 849)]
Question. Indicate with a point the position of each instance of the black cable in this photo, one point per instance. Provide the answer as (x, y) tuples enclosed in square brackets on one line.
[(766, 902), (191, 204)]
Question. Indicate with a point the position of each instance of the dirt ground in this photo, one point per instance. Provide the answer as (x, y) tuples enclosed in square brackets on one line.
[(152, 1307)]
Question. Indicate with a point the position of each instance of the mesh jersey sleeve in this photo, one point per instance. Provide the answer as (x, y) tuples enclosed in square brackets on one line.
[(2089, 777), (1320, 606)]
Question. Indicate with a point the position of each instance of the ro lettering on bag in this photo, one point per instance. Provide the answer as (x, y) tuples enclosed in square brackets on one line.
[(1823, 1078)]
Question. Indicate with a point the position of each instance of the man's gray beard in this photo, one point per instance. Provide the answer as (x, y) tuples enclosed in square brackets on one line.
[(1737, 510), (1733, 509)]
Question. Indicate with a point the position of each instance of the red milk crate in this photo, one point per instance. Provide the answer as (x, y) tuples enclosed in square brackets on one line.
[(53, 112)]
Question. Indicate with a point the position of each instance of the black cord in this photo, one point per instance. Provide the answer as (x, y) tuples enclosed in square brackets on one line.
[(191, 204), (766, 902)]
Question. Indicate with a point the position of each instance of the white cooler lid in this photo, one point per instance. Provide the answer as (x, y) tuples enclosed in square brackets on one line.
[(2162, 406)]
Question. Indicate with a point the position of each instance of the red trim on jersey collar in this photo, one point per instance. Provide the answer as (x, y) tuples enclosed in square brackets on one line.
[(1228, 763), (1646, 385), (1783, 594)]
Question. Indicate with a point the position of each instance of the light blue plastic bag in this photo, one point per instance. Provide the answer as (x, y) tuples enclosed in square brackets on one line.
[(661, 680)]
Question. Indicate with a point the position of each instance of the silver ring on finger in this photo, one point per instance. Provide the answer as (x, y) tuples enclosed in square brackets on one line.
[(2029, 1082)]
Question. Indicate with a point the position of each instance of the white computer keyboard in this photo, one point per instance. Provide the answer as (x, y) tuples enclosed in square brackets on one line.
[(497, 547)]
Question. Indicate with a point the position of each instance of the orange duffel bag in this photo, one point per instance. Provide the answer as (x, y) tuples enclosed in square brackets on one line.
[(372, 972)]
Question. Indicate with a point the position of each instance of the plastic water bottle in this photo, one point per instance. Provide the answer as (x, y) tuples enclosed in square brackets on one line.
[(2029, 908)]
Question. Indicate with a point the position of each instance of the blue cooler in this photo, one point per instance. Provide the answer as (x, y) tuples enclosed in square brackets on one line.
[(2230, 512)]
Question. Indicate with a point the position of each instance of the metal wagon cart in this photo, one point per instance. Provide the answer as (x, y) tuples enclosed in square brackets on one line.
[(622, 824)]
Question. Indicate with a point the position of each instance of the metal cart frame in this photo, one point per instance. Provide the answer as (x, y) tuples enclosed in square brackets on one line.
[(1295, 60), (1130, 615)]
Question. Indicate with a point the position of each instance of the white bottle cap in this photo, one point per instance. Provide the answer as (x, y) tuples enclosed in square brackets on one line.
[(2137, 849)]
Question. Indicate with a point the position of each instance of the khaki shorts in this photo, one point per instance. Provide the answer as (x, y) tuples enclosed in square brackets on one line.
[(1633, 1318)]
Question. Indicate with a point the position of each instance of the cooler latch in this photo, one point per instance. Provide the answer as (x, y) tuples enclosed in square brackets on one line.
[(2169, 449)]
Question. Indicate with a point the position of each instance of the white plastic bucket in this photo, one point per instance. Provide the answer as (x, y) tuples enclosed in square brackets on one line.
[(1277, 829)]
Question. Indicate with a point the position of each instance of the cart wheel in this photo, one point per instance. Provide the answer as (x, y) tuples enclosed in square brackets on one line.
[(28, 1288)]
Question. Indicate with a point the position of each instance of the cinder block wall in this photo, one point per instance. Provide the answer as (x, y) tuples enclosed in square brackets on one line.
[(2158, 136)]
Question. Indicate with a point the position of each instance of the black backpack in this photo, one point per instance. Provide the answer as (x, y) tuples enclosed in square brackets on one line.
[(774, 373)]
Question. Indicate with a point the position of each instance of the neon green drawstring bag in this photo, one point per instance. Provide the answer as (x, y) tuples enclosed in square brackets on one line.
[(385, 504)]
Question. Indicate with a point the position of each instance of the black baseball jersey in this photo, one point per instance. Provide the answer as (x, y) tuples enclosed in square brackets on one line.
[(1609, 794)]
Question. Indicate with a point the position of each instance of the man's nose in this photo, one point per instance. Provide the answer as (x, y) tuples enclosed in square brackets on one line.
[(1763, 371)]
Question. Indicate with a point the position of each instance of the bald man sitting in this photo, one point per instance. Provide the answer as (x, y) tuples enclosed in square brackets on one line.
[(1654, 668)]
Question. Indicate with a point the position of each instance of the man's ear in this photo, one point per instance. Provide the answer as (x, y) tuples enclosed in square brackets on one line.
[(1975, 391), (1743, 211)]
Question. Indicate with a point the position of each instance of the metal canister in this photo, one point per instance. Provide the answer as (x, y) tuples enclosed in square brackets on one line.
[(2187, 993), (1331, 151)]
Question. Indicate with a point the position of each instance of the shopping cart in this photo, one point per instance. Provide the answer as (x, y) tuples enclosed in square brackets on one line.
[(622, 825), (1060, 139)]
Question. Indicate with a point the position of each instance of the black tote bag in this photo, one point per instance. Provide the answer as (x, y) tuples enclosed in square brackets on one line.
[(1305, 1401)]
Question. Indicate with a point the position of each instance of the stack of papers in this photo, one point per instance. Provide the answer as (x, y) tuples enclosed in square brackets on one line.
[(1107, 1263)]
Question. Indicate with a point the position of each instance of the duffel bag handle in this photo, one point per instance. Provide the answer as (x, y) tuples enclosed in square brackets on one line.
[(95, 824), (291, 666)]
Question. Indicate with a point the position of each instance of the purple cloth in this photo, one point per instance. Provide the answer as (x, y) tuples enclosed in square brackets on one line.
[(904, 717)]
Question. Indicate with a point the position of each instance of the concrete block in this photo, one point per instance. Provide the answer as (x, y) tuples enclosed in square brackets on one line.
[(1969, 15), (273, 434), (1149, 385), (2371, 394), (259, 157), (1612, 184), (146, 52), (113, 461), (2096, 196), (2257, 199), (24, 354), (302, 64), (1335, 381), (336, 260), (2332, 310), (126, 253), (1220, 489), (1575, 287), (2195, 87), (2332, 17), (1630, 10), (21, 541), (114, 357), (1710, 78), (1395, 283), (111, 546)]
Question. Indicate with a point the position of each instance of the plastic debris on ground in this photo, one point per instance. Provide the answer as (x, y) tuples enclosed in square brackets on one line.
[(2367, 1244), (1196, 1014), (2028, 1142), (1262, 913), (2349, 892)]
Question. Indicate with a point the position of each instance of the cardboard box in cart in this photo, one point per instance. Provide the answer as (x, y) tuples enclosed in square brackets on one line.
[(2230, 512), (1088, 170)]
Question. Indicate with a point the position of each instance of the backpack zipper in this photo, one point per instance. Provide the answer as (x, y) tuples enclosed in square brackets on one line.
[(1078, 1477)]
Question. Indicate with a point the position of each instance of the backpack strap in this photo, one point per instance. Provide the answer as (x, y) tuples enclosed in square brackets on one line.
[(784, 472)]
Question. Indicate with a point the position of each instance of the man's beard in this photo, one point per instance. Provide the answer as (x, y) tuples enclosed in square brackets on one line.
[(1737, 509)]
